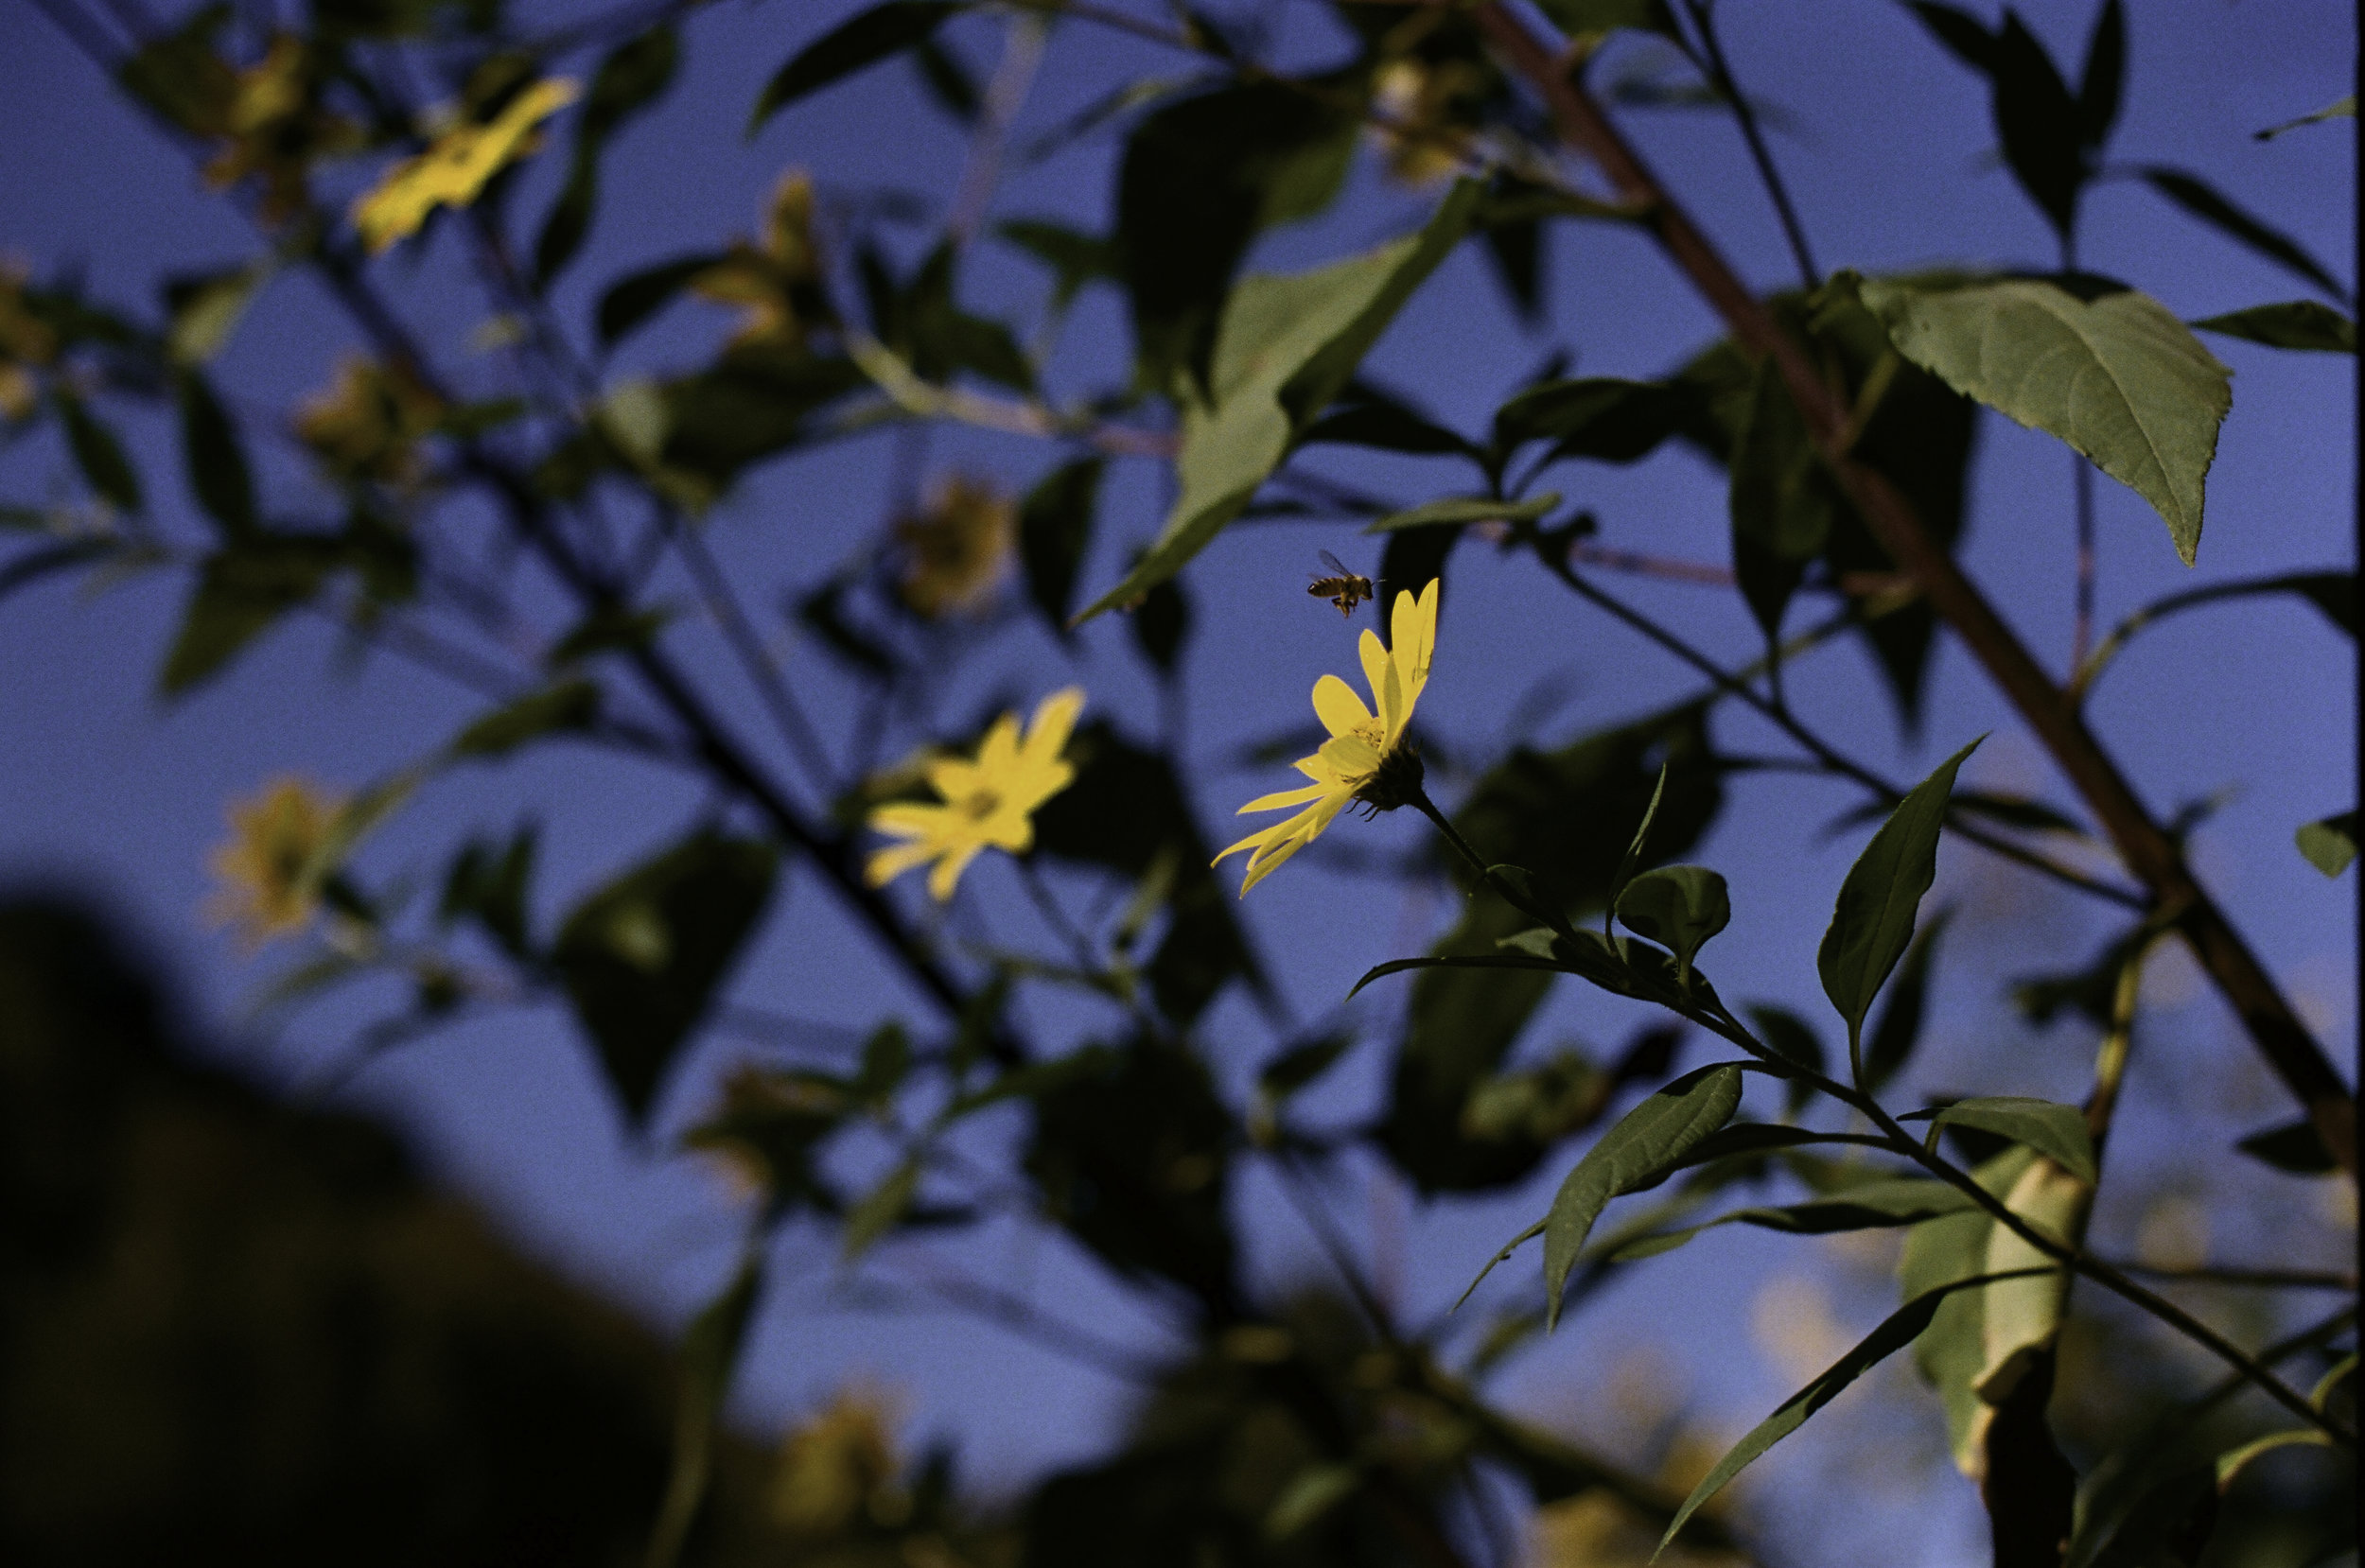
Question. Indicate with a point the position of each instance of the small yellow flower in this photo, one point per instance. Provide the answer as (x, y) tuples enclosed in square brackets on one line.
[(1424, 112), (777, 283), (367, 424), (1361, 741), (266, 866), (987, 801), (455, 168), (26, 344), (958, 547), (272, 125), (837, 1467)]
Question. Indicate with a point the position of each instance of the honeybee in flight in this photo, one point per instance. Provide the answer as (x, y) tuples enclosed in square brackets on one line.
[(1343, 587)]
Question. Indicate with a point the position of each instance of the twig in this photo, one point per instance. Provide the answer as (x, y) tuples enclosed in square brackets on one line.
[(1703, 14)]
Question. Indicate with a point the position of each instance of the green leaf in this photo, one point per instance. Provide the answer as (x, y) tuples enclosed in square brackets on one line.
[(632, 76), (1874, 918), (1311, 1493), (1466, 509), (2107, 370), (1899, 1028), (99, 455), (1679, 907), (2234, 1460), (2340, 109), (2329, 843), (2100, 90), (1159, 624), (1075, 257), (2296, 1148), (2205, 203), (241, 589), (1591, 19), (1782, 503), (489, 885), (1286, 346), (862, 39), (1054, 531), (710, 1354), (642, 957), (1875, 1205), (2301, 325), (879, 1210), (2332, 592), (1597, 416), (217, 469), (1895, 1331), (1365, 416), (1641, 1146), (635, 298), (1199, 180), (1633, 856), (205, 308), (568, 706), (2056, 1131)]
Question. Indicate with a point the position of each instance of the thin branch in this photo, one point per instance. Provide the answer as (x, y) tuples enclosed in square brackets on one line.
[(1703, 14), (762, 671), (2269, 1279), (2151, 852)]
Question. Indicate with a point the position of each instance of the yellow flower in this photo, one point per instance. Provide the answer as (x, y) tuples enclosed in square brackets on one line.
[(266, 866), (958, 547), (26, 344), (453, 170), (777, 283), (836, 1467), (1361, 741), (987, 801), (272, 125)]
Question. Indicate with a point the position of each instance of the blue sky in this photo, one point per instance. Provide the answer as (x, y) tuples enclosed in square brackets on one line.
[(1885, 144)]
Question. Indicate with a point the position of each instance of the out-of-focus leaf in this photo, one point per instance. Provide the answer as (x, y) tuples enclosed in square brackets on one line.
[(489, 885), (1365, 417), (1199, 180), (1287, 346), (1160, 624), (1131, 1159), (2100, 85), (1598, 416), (1873, 920), (205, 308), (878, 1210), (568, 706), (1466, 509), (241, 589), (1075, 257), (1311, 1493), (726, 419), (2295, 1146), (2054, 1130), (217, 468), (709, 1354), (1783, 501), (1054, 531), (2300, 323), (862, 39), (947, 80), (1877, 1205), (642, 957), (1410, 561), (635, 298), (632, 76), (2340, 109), (99, 455), (2330, 844), (1591, 19), (2110, 371), (1793, 1038), (2206, 202)]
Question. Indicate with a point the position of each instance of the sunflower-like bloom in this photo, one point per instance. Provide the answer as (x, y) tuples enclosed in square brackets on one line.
[(266, 867), (1366, 757), (457, 167), (988, 800)]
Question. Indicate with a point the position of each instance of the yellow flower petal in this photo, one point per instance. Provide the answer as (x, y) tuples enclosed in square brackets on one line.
[(1285, 797), (947, 872), (456, 169), (1374, 659), (1336, 705), (893, 862), (1053, 722)]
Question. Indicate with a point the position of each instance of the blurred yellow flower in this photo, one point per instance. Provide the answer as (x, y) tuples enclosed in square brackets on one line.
[(1422, 112), (272, 125), (369, 421), (836, 1467), (777, 282), (988, 801), (455, 168), (958, 547), (266, 866), (1355, 763), (26, 344)]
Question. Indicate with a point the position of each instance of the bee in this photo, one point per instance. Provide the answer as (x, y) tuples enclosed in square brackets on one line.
[(1343, 587)]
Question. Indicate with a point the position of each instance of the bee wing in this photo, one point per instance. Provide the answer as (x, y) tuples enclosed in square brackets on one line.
[(1337, 567)]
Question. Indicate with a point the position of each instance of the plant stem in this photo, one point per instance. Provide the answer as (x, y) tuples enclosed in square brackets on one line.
[(1703, 14)]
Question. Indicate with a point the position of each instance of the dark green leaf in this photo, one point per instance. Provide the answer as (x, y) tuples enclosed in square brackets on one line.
[(489, 885), (1899, 1328), (1679, 907), (1874, 918), (1599, 417), (2098, 93), (1055, 530), (1199, 180), (1643, 1145), (2301, 324), (634, 299), (2107, 370), (570, 706), (1302, 1064), (862, 39), (1882, 1204), (947, 80), (205, 308), (1410, 561), (1466, 509), (1287, 346), (633, 76), (218, 470), (241, 590), (2204, 201), (710, 1354), (1368, 418), (2038, 124), (99, 455), (1782, 502), (1899, 1028), (642, 957), (2329, 845), (2295, 1146), (2056, 1131), (1159, 623), (878, 1210), (1076, 258), (1965, 36)]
